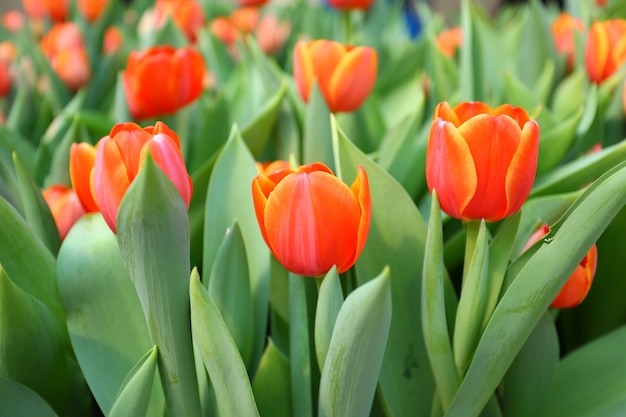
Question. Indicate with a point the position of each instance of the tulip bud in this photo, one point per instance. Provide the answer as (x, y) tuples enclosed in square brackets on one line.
[(605, 49), (344, 74), (311, 220), (449, 41), (65, 207), (577, 286), (563, 28), (120, 156), (82, 160), (481, 161)]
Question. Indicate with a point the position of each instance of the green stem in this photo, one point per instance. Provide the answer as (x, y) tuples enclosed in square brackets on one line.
[(347, 27), (471, 233)]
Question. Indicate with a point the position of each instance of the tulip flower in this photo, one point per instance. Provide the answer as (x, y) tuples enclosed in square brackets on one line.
[(449, 41), (5, 78), (13, 20), (577, 286), (481, 161), (269, 167), (64, 47), (112, 40), (64, 206), (344, 74), (186, 14), (311, 220), (56, 10), (251, 3), (605, 49), (92, 9), (120, 156), (563, 28), (350, 4), (82, 161), (162, 79), (271, 34)]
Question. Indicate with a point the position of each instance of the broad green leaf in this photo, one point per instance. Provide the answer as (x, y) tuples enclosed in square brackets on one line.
[(556, 142), (406, 101), (120, 111), (471, 71), (531, 373), (229, 288), (36, 210), (300, 348), (534, 288), (12, 141), (214, 132), (104, 316), (215, 52), (590, 381), (20, 401), (134, 396), (329, 303), (569, 94), (32, 352), (229, 197), (397, 238), (271, 386), (221, 358), (28, 262), (317, 136), (168, 34), (200, 179), (153, 235), (434, 320), (350, 373)]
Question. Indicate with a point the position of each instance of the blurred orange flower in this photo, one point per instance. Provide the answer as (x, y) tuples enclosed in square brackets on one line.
[(64, 206), (186, 14), (605, 49), (92, 9), (64, 47), (449, 41), (271, 33), (563, 29), (56, 10)]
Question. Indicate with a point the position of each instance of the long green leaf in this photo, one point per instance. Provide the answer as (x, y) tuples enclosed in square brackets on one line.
[(531, 292), (329, 303), (355, 354), (134, 397), (300, 348), (317, 137), (20, 401), (271, 384), (221, 358)]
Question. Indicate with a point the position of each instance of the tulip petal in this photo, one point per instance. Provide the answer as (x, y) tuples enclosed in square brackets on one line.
[(492, 142), (450, 168), (361, 190), (261, 188), (523, 168), (597, 52), (129, 139), (82, 160), (444, 111), (325, 56), (469, 109), (187, 73), (303, 70), (353, 79), (111, 180)]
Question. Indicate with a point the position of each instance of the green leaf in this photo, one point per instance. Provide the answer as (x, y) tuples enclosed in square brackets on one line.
[(215, 52), (134, 397), (36, 210), (31, 347), (570, 94), (20, 401), (229, 197), (104, 316), (329, 303), (299, 348), (153, 235), (534, 288), (557, 141), (471, 66), (602, 392), (168, 34), (214, 131), (317, 136), (356, 350), (221, 358), (229, 288), (434, 320), (271, 386), (12, 141), (532, 371), (397, 238), (120, 111)]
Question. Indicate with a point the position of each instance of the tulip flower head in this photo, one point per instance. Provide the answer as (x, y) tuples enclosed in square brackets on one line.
[(449, 41), (92, 9), (577, 286), (605, 49), (563, 28), (350, 4), (120, 156), (271, 33), (64, 47), (311, 220), (481, 161), (162, 79), (13, 20), (64, 206), (186, 14), (56, 10), (112, 41), (344, 74), (82, 161)]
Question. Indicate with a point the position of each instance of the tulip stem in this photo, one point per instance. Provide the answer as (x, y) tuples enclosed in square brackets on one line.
[(471, 233), (347, 26)]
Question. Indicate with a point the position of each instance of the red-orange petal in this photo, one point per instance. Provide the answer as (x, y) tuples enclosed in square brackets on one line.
[(577, 286), (82, 160), (523, 168), (361, 190), (325, 57), (303, 70), (597, 52), (353, 79)]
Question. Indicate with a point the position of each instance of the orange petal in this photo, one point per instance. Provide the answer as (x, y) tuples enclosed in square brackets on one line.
[(597, 52), (130, 138), (82, 160), (325, 56), (577, 286), (110, 180), (469, 109), (353, 79), (450, 168), (261, 188), (303, 70), (523, 168), (444, 111), (361, 190)]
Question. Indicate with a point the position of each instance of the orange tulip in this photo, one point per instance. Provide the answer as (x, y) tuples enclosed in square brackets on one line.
[(350, 4), (252, 3), (267, 168), (64, 206), (112, 40), (64, 47), (13, 20), (82, 160), (449, 41), (605, 50), (5, 78), (240, 23), (345, 74), (577, 286), (311, 220), (92, 9), (162, 79), (120, 156), (481, 161), (56, 10), (563, 29), (271, 34), (186, 14)]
